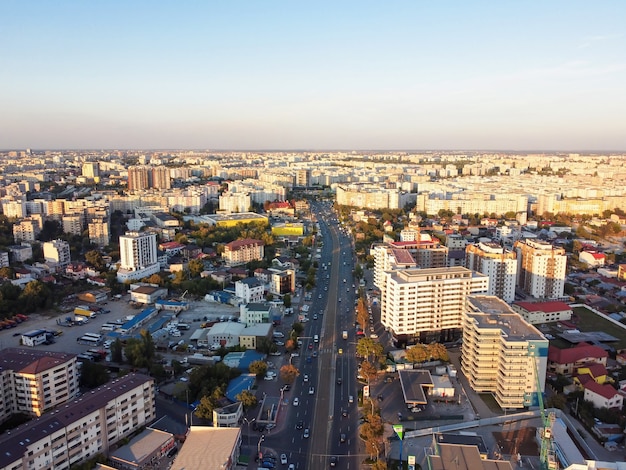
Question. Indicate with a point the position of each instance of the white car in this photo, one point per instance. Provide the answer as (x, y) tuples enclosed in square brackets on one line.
[(311, 391), (296, 401), (283, 459), (305, 378)]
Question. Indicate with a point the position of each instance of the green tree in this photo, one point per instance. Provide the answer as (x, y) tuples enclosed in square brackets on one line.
[(288, 373), (258, 368), (417, 354), (93, 375), (196, 266), (94, 258), (116, 351), (366, 348), (297, 328), (287, 300), (7, 273), (247, 399)]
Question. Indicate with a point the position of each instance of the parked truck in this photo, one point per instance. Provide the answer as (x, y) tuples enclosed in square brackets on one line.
[(200, 359), (84, 311)]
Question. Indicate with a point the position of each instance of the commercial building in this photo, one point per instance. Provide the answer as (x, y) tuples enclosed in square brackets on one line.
[(497, 263), (91, 425), (502, 354), (34, 381), (541, 269), (138, 256), (426, 305)]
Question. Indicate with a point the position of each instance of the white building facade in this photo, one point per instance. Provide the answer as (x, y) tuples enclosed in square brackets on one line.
[(138, 256), (427, 305), (497, 263)]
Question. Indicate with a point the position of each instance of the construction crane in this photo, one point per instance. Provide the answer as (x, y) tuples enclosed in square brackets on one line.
[(547, 456)]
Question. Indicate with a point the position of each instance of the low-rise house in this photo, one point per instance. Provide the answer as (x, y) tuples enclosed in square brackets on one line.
[(603, 396), (537, 313), (566, 361)]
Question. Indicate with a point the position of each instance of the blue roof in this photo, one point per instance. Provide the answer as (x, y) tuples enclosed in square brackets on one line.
[(171, 303), (130, 324), (242, 360), (238, 384)]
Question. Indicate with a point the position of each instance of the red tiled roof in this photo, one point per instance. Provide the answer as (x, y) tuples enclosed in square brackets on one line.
[(403, 256), (605, 390), (575, 354), (171, 245), (237, 244), (547, 307)]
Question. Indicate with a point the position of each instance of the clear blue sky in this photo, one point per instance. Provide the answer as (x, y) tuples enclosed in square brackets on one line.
[(313, 75)]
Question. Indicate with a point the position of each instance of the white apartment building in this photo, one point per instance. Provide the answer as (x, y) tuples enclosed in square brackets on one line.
[(502, 354), (73, 223), (255, 313), (282, 281), (35, 381), (26, 230), (14, 209), (99, 231), (243, 251), (57, 252), (235, 202), (138, 256), (91, 425), (387, 258), (373, 196), (249, 290), (497, 263), (427, 305), (540, 269)]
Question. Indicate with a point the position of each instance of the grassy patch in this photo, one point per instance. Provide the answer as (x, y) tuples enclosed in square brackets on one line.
[(589, 321)]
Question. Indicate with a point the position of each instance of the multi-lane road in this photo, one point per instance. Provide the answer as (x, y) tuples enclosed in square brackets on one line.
[(326, 388)]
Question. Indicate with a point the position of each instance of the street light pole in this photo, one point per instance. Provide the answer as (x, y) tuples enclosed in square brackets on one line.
[(258, 448), (248, 422)]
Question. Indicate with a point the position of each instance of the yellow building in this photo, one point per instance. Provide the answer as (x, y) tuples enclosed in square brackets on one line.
[(289, 229)]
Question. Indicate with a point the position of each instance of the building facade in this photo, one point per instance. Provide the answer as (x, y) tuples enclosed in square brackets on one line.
[(34, 382), (138, 256), (540, 269), (497, 263), (94, 422), (502, 354), (57, 252), (243, 251), (426, 305)]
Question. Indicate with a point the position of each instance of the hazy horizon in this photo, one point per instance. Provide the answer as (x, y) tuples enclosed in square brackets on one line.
[(249, 76)]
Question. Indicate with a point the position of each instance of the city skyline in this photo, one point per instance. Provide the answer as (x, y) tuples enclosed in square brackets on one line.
[(283, 76)]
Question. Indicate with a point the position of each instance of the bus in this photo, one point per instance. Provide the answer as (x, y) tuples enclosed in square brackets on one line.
[(90, 339)]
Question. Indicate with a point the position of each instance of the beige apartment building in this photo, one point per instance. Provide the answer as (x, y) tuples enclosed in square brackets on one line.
[(35, 381), (540, 269), (502, 354), (90, 425), (243, 251), (497, 263), (427, 305)]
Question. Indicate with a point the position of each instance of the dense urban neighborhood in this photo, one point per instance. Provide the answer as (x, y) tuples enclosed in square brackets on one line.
[(304, 310)]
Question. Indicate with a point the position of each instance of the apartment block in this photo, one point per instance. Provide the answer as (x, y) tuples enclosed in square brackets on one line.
[(57, 252), (282, 281), (249, 290), (387, 258), (90, 425), (497, 263), (427, 305), (243, 251), (138, 256), (540, 269), (27, 230), (502, 354), (34, 382)]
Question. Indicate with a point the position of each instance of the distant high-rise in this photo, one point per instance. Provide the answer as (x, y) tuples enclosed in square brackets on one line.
[(146, 177), (91, 169), (138, 178), (161, 177)]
